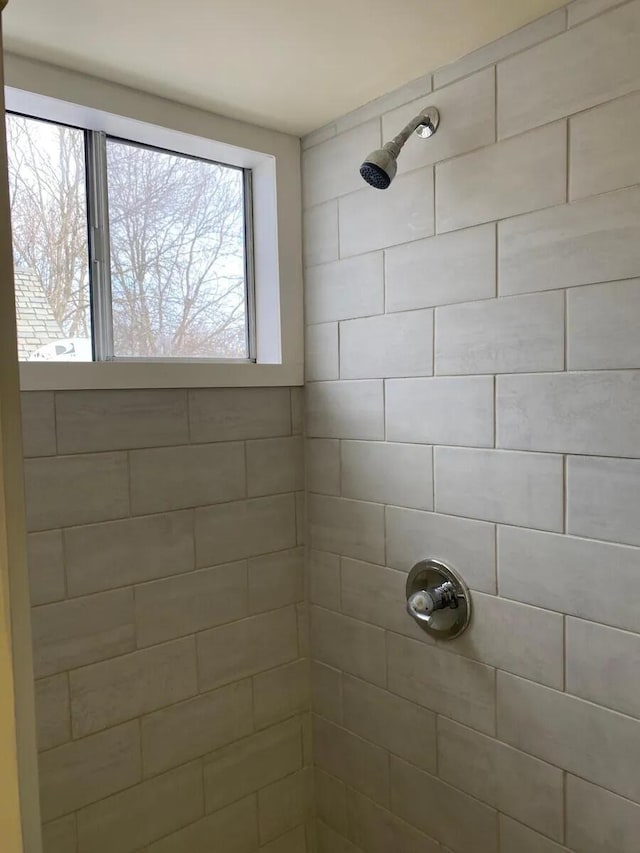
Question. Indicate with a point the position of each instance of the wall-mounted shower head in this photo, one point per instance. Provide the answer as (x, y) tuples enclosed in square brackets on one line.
[(380, 167)]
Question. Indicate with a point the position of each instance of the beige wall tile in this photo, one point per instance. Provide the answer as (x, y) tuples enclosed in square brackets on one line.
[(560, 728), (513, 488), (509, 335), (514, 176), (412, 788), (323, 465), (324, 579), (233, 829), (321, 352), (597, 819), (83, 771), (294, 841), (348, 644), (73, 633), (376, 830), (285, 804), (331, 800), (370, 220), (280, 693), (232, 414), (167, 478), (276, 580), (445, 683), (516, 838), (467, 544), (38, 423), (297, 409), (184, 731), (244, 529), (594, 413), (602, 325), (118, 553), (413, 89), (59, 836), (351, 528), (400, 474), (453, 267), (182, 605), (330, 841), (320, 234), (326, 692), (455, 410), (252, 763), (405, 729), (246, 647), (133, 818), (62, 490), (360, 764), (94, 420), (274, 465), (377, 346), (596, 239), (568, 73), (109, 692), (345, 409), (52, 711), (345, 289), (46, 567)]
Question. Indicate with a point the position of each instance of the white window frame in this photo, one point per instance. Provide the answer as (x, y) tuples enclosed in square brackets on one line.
[(62, 96)]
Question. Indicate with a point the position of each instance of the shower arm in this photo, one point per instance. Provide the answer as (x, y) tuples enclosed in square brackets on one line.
[(425, 123)]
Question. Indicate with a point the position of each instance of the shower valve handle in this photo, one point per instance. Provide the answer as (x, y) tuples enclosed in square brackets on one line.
[(424, 602)]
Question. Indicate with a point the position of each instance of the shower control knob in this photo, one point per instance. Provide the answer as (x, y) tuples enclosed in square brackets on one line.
[(423, 602), (438, 599)]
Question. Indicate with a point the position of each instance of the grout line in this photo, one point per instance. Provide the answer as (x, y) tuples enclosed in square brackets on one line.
[(568, 161), (565, 502)]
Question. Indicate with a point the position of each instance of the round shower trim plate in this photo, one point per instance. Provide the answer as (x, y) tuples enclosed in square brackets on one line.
[(429, 125)]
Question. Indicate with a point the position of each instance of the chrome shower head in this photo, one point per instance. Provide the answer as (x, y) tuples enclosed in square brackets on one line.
[(380, 167)]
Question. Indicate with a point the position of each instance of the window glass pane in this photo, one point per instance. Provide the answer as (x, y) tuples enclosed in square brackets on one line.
[(177, 255), (47, 184)]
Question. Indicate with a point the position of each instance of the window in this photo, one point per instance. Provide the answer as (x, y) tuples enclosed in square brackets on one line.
[(125, 251)]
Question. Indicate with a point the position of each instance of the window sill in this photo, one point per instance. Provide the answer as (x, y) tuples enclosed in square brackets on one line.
[(63, 376)]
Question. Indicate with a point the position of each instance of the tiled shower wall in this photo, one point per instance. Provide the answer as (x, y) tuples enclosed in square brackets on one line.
[(169, 629), (473, 357)]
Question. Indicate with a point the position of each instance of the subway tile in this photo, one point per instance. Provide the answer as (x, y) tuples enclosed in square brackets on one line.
[(582, 10), (175, 735), (285, 804), (52, 711), (377, 346), (297, 409), (376, 830), (455, 267), (38, 423), (602, 665), (324, 579), (321, 352), (509, 335), (599, 821), (329, 841), (603, 496), (444, 683), (191, 602), (537, 31), (331, 800), (527, 641), (370, 220), (345, 409), (591, 413), (112, 691), (168, 478), (321, 134), (252, 763), (131, 819), (511, 177), (571, 72), (46, 567), (323, 465), (280, 693), (326, 692), (594, 743), (119, 553), (441, 410), (416, 88), (524, 489), (274, 465), (233, 414), (302, 617), (294, 841), (348, 644), (69, 634), (516, 838), (300, 499), (233, 829), (244, 529), (467, 544), (345, 289), (589, 241), (359, 764), (346, 527), (528, 571), (515, 783), (246, 647), (469, 111), (90, 421), (602, 326), (61, 490), (400, 474), (401, 727), (276, 580), (604, 153), (59, 836), (331, 168), (320, 234), (411, 789), (83, 771)]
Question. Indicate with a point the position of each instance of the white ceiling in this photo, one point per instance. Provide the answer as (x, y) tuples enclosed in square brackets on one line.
[(292, 65)]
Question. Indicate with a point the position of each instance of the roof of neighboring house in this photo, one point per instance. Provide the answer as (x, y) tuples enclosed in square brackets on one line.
[(36, 324)]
